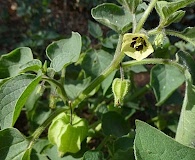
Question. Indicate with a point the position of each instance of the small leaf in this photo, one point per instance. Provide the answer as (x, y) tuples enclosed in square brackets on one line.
[(10, 63), (152, 144), (175, 17), (95, 61), (113, 16), (13, 95), (166, 9), (13, 144), (114, 124), (94, 29), (64, 52), (165, 79), (93, 155)]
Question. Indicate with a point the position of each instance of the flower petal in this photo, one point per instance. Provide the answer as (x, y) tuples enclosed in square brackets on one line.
[(136, 46)]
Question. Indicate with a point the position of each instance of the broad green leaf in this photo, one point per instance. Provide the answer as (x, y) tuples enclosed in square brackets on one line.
[(13, 95), (12, 144), (33, 65), (165, 79), (166, 9), (114, 124), (187, 60), (152, 144), (94, 29), (113, 16), (64, 52), (186, 128), (10, 63), (95, 61), (93, 155)]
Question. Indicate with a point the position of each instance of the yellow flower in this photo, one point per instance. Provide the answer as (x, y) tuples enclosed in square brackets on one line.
[(136, 46)]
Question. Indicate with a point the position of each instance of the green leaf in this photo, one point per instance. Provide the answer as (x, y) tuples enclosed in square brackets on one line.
[(113, 16), (114, 124), (152, 144), (95, 61), (123, 148), (165, 79), (107, 82), (93, 155), (13, 95), (10, 63), (53, 155), (187, 60), (64, 52), (74, 88), (166, 9), (94, 29), (188, 34), (33, 65), (12, 144), (175, 17), (67, 134), (186, 128)]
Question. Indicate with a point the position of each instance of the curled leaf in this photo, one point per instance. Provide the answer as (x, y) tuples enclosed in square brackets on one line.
[(136, 46)]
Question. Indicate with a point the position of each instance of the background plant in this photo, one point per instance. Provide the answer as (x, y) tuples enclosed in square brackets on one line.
[(76, 81)]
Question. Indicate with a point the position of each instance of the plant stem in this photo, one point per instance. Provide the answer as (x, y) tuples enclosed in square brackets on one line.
[(145, 16), (59, 86), (114, 65), (154, 61), (45, 124), (179, 35)]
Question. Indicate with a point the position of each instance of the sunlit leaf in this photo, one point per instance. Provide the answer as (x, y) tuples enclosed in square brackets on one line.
[(13, 95), (64, 52), (113, 16)]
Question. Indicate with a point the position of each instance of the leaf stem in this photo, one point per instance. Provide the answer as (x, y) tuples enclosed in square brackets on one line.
[(154, 61), (145, 16)]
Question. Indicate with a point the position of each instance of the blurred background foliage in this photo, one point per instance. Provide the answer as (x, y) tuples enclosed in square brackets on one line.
[(35, 23)]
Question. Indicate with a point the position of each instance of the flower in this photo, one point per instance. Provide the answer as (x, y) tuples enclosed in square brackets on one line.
[(136, 46)]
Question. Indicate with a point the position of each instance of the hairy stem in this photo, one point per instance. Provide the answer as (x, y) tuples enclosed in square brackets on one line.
[(145, 16)]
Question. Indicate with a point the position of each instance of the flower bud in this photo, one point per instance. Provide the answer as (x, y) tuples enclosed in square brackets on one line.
[(120, 88)]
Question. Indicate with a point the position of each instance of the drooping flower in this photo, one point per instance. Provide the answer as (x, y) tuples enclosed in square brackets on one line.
[(136, 46)]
